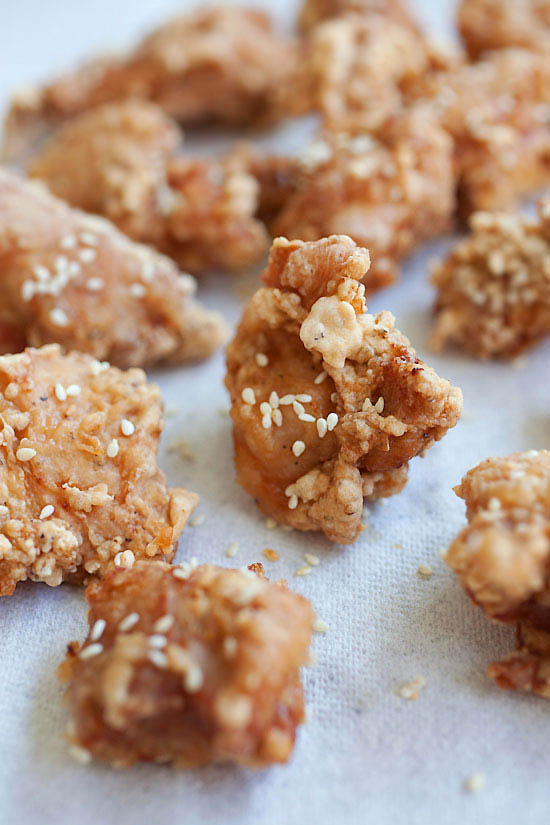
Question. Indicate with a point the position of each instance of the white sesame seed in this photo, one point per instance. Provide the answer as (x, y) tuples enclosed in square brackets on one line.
[(311, 559), (80, 755), (87, 255), (59, 317), (319, 626), (298, 448), (25, 453), (379, 406), (68, 242), (232, 549), (293, 502), (193, 678), (248, 395), (95, 284), (88, 238), (41, 272), (286, 400), (261, 359), (322, 427), (73, 390), (304, 571), (265, 408), (128, 622), (181, 573), (147, 270), (137, 290), (46, 511), (274, 400), (277, 417), (158, 641), (494, 504), (90, 651), (332, 421), (230, 646), (125, 559), (298, 408), (163, 624), (27, 290), (266, 422), (112, 448), (60, 393), (320, 378), (126, 427), (304, 398), (97, 630), (307, 417), (61, 263), (158, 658), (99, 366)]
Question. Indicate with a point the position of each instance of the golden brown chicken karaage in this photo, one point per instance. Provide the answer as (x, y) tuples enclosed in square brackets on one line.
[(498, 24)]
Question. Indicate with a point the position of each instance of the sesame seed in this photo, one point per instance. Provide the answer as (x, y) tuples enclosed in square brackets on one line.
[(293, 502), (137, 290), (124, 559), (193, 678), (163, 624), (128, 622), (99, 366), (147, 270), (475, 782), (25, 453), (229, 646), (158, 641), (307, 417), (277, 417), (322, 427), (332, 421), (97, 630), (112, 448), (311, 559), (181, 573), (319, 626), (87, 255), (286, 400), (90, 651), (73, 390), (80, 755), (304, 398), (46, 511), (126, 427), (158, 658), (266, 422), (320, 378), (261, 359), (41, 272), (232, 549), (68, 242), (197, 520), (274, 400), (304, 571), (60, 393), (88, 238), (59, 317), (494, 504), (298, 448), (265, 408), (248, 395), (379, 406), (298, 408), (95, 284)]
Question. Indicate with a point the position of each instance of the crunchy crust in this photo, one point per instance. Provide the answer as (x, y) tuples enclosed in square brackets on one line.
[(72, 504), (499, 24), (315, 11), (389, 193), (310, 463), (208, 672), (75, 280), (503, 558), (120, 160), (494, 287), (214, 65)]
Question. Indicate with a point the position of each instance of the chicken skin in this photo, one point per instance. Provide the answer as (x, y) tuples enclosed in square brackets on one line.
[(80, 489), (329, 403)]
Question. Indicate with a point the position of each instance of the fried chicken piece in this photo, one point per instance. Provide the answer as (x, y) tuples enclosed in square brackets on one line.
[(485, 25), (120, 160), (315, 11), (329, 403), (80, 488), (73, 279), (188, 666), (219, 64), (389, 194), (493, 295), (498, 115), (502, 558)]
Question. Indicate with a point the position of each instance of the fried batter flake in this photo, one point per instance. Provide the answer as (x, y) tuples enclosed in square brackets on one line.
[(217, 64), (389, 193), (502, 558), (80, 489), (315, 11), (485, 25), (494, 287), (188, 666), (74, 279), (120, 160), (339, 403)]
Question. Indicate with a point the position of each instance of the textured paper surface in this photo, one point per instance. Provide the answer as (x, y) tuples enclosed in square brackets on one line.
[(367, 755)]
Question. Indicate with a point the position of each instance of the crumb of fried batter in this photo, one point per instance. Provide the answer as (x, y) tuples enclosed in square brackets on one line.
[(389, 192), (501, 559), (493, 289), (219, 64), (121, 161), (75, 280), (315, 11), (188, 667), (311, 450), (497, 112), (80, 490), (485, 25)]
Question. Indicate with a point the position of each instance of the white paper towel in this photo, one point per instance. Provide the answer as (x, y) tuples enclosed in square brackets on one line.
[(366, 755)]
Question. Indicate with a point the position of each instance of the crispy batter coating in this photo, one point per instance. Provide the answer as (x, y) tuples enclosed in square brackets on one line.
[(315, 11), (75, 280), (498, 115), (80, 488), (188, 666), (120, 161), (493, 295), (503, 558), (329, 403), (389, 194), (219, 64), (499, 24)]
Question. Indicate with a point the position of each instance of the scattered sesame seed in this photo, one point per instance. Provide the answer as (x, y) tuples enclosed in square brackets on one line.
[(99, 366), (90, 651), (304, 571), (248, 395), (286, 400), (271, 555), (158, 641), (73, 390), (232, 550), (265, 408), (298, 448), (128, 622), (68, 242), (273, 400), (126, 427), (181, 573), (97, 630), (304, 398), (88, 238), (425, 571), (298, 408), (197, 520), (25, 453), (229, 646), (261, 359), (277, 417), (474, 782), (307, 417), (311, 559), (494, 504), (379, 406), (193, 678), (87, 255), (46, 511), (163, 624), (95, 284), (60, 393), (59, 317), (41, 272), (137, 290), (332, 421), (147, 270), (112, 448), (158, 658), (319, 626), (293, 502), (266, 422), (80, 755), (320, 378), (322, 427)]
